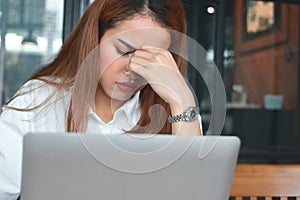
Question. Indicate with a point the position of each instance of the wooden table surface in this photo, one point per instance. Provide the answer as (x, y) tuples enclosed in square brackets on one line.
[(266, 180)]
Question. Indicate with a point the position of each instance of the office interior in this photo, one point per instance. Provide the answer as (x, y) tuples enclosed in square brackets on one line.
[(253, 44)]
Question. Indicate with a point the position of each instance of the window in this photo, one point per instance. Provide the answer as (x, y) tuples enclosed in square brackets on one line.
[(31, 35)]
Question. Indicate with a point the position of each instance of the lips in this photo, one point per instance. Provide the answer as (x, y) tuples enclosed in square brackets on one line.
[(126, 86)]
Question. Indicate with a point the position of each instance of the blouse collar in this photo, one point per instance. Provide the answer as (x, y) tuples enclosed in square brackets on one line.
[(126, 117)]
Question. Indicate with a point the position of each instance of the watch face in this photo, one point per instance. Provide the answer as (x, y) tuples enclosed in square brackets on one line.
[(193, 114)]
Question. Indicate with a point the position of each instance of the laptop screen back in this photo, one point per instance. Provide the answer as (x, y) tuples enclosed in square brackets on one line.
[(127, 166)]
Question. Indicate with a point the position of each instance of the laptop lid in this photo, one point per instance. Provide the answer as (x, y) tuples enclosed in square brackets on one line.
[(127, 166)]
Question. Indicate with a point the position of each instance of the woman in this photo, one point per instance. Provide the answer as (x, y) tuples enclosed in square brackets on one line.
[(114, 69)]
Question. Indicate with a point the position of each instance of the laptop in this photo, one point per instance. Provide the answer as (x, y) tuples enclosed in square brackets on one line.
[(127, 166)]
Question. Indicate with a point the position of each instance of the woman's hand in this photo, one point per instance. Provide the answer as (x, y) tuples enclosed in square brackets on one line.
[(158, 67)]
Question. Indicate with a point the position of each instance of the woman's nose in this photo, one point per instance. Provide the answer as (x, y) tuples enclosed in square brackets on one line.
[(127, 64), (126, 68)]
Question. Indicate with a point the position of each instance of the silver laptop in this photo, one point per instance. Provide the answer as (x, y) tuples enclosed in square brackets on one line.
[(127, 167)]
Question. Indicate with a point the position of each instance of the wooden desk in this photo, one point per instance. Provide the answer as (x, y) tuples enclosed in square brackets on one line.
[(266, 180)]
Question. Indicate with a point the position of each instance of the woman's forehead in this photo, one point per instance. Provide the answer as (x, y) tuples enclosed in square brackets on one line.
[(140, 31)]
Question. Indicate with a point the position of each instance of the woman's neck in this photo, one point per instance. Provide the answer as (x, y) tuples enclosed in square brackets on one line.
[(105, 106)]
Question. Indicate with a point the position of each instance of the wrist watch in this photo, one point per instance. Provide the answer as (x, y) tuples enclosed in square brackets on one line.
[(191, 114)]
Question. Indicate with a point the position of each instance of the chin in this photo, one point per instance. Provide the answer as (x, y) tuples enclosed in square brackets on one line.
[(122, 96)]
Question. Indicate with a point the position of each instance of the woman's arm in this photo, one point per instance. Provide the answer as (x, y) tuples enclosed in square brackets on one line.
[(14, 124), (186, 127), (11, 141), (158, 67)]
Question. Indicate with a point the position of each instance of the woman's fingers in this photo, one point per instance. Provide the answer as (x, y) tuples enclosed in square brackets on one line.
[(159, 69), (152, 56), (144, 60)]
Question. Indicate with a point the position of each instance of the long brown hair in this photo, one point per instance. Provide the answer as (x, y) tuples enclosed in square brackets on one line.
[(100, 16)]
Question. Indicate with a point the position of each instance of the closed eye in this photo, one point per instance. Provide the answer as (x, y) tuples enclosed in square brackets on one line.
[(124, 53)]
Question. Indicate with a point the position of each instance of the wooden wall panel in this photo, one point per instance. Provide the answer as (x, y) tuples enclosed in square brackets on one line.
[(268, 68)]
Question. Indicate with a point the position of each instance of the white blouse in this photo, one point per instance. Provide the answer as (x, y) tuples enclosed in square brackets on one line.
[(49, 118)]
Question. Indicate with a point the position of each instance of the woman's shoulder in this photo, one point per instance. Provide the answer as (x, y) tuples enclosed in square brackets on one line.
[(36, 105), (42, 84), (37, 91)]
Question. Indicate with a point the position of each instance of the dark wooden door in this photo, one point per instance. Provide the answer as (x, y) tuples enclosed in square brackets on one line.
[(268, 61)]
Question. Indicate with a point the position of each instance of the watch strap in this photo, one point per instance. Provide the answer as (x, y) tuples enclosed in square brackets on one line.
[(191, 114)]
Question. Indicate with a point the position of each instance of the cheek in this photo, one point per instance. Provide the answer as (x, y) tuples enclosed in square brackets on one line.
[(111, 74), (106, 59), (110, 63), (107, 81)]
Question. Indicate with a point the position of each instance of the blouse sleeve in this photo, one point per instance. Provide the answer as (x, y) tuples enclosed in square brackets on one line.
[(10, 160), (13, 126)]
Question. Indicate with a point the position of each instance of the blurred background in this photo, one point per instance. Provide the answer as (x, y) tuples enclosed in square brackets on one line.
[(254, 44)]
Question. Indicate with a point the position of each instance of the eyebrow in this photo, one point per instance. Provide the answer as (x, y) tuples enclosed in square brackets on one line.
[(130, 47)]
